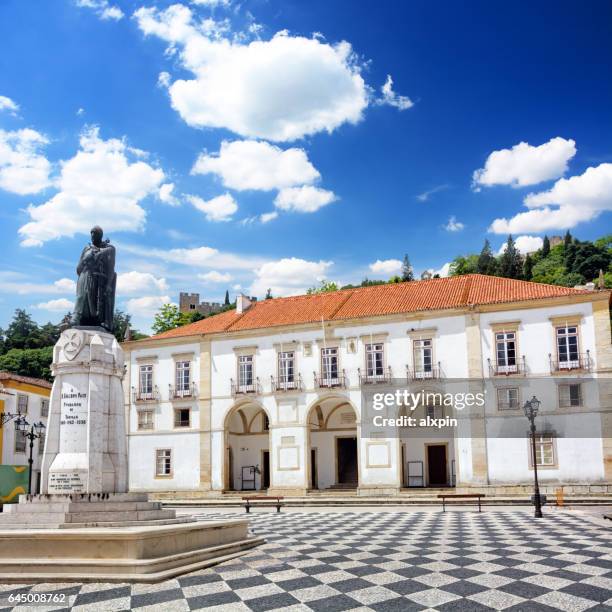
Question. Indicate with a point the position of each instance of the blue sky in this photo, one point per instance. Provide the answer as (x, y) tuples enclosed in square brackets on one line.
[(254, 144)]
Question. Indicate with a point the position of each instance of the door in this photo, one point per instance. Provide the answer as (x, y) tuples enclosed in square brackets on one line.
[(313, 469), (436, 465), (347, 460), (265, 476)]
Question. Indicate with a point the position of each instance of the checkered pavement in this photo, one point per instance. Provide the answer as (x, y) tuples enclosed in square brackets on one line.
[(328, 561)]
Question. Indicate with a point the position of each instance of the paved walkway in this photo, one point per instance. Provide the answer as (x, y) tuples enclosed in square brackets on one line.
[(460, 560)]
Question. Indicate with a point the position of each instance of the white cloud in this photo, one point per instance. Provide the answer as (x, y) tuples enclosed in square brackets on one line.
[(524, 244), (146, 306), (220, 208), (444, 271), (453, 225), (23, 170), (215, 277), (250, 164), (525, 164), (306, 199), (579, 198), (212, 3), (426, 195), (102, 8), (267, 217), (137, 283), (387, 266), (80, 111), (6, 104), (98, 186), (166, 194), (288, 276), (390, 98), (279, 89), (65, 285), (59, 305)]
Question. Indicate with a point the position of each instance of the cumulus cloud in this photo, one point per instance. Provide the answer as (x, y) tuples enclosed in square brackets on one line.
[(444, 271), (453, 225), (65, 285), (387, 266), (137, 283), (166, 194), (103, 9), (215, 277), (525, 164), (6, 104), (220, 208), (279, 89), (22, 284), (578, 198), (306, 199), (23, 169), (251, 164), (288, 276), (58, 305), (99, 185), (146, 306), (390, 98), (524, 244)]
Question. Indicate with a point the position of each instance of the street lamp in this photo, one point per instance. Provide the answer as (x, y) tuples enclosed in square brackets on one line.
[(36, 431), (531, 408), (5, 417)]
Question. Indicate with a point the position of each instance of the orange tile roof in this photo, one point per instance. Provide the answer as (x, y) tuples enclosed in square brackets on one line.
[(376, 300), (39, 382)]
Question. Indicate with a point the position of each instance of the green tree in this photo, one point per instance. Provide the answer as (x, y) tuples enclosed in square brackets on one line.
[(511, 262), (407, 271), (567, 239), (545, 246), (28, 362), (325, 287), (227, 300), (528, 267), (168, 317), (269, 294), (463, 264), (22, 332), (487, 264)]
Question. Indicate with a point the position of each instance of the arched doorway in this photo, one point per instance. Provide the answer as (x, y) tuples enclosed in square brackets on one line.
[(333, 445), (247, 448)]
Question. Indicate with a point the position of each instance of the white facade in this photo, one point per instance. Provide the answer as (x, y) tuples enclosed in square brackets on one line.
[(306, 437)]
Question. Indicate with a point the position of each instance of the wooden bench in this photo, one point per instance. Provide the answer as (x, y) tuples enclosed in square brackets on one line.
[(251, 498), (445, 496)]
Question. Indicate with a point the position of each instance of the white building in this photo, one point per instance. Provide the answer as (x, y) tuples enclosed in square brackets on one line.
[(272, 395), (29, 397)]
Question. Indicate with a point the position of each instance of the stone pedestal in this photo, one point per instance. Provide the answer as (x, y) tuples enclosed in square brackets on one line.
[(86, 446)]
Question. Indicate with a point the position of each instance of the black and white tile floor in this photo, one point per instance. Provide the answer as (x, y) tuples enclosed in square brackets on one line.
[(388, 561)]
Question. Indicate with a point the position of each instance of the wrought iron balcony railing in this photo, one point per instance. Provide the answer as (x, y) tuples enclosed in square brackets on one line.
[(577, 361), (141, 396), (282, 384), (498, 369), (424, 373), (330, 380), (240, 388), (366, 378), (178, 393)]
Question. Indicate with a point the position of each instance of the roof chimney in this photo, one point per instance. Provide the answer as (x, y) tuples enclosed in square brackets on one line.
[(243, 303)]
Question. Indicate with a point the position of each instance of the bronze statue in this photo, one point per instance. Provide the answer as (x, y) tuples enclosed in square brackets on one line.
[(95, 294)]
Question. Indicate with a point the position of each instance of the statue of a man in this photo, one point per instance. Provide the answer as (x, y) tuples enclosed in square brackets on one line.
[(95, 294)]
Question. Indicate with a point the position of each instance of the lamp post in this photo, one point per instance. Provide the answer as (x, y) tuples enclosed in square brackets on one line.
[(531, 408), (5, 417), (36, 432)]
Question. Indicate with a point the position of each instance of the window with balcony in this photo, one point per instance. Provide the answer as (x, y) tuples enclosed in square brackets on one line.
[(44, 408), (329, 367), (245, 373), (286, 370), (423, 358), (508, 398), (22, 404), (567, 347), (570, 395), (182, 417), (505, 352), (545, 451), (375, 360), (145, 419), (145, 382), (182, 379), (163, 462)]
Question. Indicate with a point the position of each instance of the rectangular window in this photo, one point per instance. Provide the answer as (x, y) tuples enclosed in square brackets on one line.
[(145, 384), (245, 372), (286, 368), (567, 347), (508, 399), (182, 417), (41, 442), (22, 404), (545, 450), (434, 412), (145, 419), (375, 364), (570, 395), (329, 365), (20, 442), (423, 358), (265, 425), (163, 462), (44, 407), (183, 378), (505, 350)]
